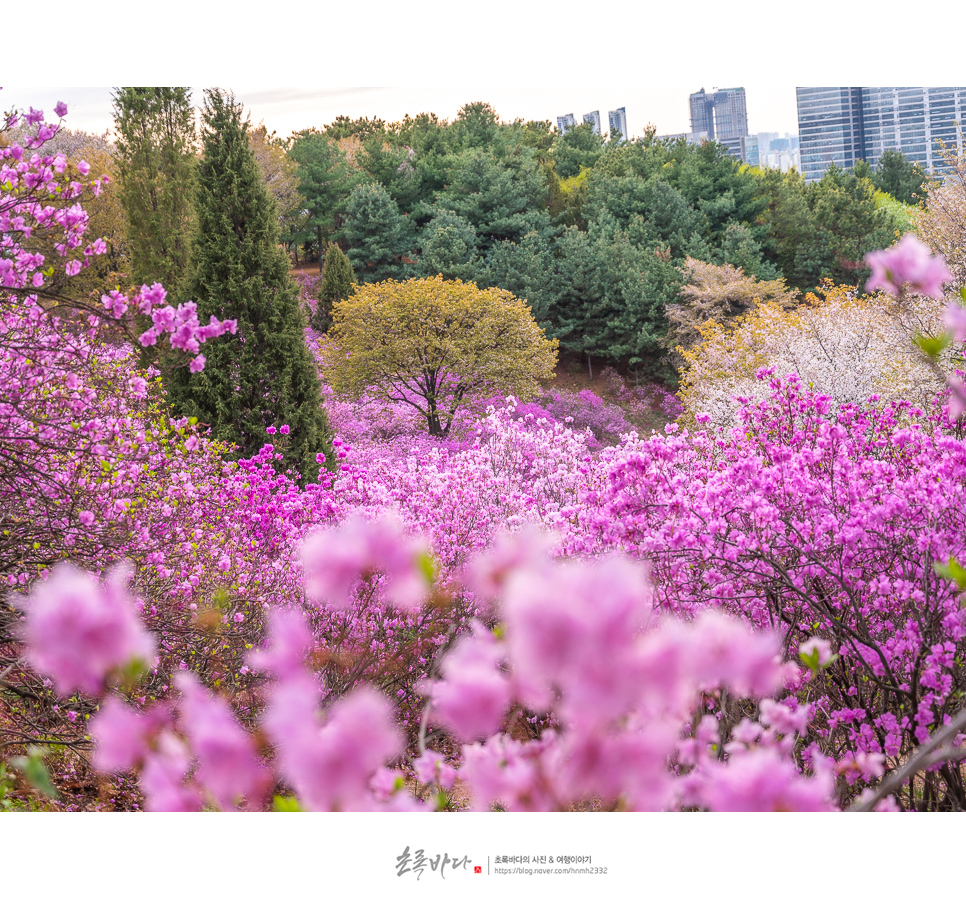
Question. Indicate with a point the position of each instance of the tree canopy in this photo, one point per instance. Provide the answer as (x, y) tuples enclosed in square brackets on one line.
[(265, 376), (434, 343), (155, 169), (592, 233)]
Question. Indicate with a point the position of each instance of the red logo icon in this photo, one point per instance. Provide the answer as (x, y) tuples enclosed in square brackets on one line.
[(478, 870)]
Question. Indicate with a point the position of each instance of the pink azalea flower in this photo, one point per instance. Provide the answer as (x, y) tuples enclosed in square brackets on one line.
[(331, 767), (956, 321), (227, 765), (431, 767), (162, 779), (957, 396), (335, 560), (79, 629), (762, 780), (908, 262), (119, 734)]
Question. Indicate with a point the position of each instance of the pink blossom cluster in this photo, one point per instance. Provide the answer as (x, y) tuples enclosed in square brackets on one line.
[(825, 525), (907, 262), (623, 691), (43, 196)]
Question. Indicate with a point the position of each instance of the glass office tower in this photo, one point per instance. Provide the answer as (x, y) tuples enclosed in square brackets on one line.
[(842, 124)]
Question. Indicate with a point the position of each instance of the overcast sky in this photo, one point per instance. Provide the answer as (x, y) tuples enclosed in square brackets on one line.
[(287, 109), (297, 66)]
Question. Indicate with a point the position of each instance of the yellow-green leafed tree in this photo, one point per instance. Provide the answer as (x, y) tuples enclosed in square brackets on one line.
[(434, 344)]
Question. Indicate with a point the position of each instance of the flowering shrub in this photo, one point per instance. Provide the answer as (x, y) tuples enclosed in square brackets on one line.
[(80, 434), (848, 347), (624, 694), (821, 523)]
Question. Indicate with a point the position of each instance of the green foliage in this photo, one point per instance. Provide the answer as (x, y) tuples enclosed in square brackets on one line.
[(902, 179), (952, 571), (155, 173), (476, 125), (264, 375), (902, 214), (710, 181), (608, 299), (324, 182), (528, 268), (363, 128), (448, 247), (503, 199), (823, 230), (35, 772), (578, 148), (6, 787), (338, 283), (519, 206), (845, 225), (740, 249), (538, 135), (280, 175), (378, 237)]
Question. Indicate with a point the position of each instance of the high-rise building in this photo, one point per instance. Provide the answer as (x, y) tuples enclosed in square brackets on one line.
[(918, 120), (830, 127), (751, 150), (618, 123), (564, 122), (842, 124), (723, 115), (593, 118)]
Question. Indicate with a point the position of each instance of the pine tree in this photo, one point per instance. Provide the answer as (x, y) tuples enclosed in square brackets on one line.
[(338, 283), (155, 163), (377, 235), (264, 376)]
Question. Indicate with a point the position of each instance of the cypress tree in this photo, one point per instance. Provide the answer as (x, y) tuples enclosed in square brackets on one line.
[(155, 127), (264, 376), (338, 283)]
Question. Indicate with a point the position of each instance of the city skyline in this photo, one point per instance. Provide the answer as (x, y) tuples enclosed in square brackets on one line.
[(286, 110)]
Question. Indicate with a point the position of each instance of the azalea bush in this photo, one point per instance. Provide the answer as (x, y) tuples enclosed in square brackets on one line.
[(79, 437), (584, 697)]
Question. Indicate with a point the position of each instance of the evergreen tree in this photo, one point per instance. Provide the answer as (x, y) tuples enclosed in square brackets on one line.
[(155, 130), (338, 283), (324, 182), (377, 235), (264, 376), (902, 179), (448, 247)]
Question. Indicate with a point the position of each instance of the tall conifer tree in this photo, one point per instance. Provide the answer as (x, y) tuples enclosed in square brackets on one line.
[(155, 127), (264, 376), (338, 283)]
